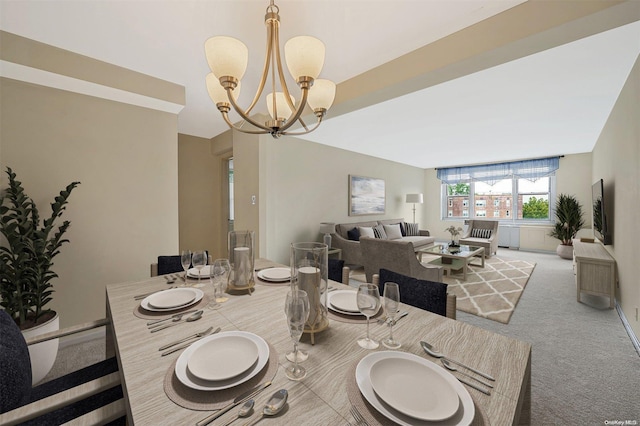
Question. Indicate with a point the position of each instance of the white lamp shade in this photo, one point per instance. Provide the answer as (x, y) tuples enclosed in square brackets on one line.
[(321, 94), (304, 56), (414, 198), (327, 228), (217, 93), (226, 56), (284, 110)]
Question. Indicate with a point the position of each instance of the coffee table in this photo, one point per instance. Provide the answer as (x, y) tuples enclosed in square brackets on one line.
[(454, 258)]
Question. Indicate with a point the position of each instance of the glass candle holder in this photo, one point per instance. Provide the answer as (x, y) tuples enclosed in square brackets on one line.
[(241, 259), (310, 272)]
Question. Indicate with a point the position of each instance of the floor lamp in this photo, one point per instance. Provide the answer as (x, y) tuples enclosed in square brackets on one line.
[(414, 198)]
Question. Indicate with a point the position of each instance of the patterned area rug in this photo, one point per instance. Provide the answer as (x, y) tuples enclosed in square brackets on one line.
[(493, 291)]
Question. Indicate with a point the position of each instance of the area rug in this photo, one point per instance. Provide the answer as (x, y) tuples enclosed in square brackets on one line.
[(493, 291)]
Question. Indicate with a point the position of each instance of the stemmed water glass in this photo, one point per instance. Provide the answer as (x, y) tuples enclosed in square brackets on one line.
[(391, 305), (297, 310), (199, 260), (368, 298), (185, 259), (221, 269)]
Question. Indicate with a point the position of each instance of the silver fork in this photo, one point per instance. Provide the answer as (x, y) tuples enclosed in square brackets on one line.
[(360, 421)]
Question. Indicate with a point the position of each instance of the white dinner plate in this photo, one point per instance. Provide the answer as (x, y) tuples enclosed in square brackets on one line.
[(276, 275), (199, 294), (224, 358), (193, 382), (463, 416), (344, 300), (204, 272), (414, 389), (170, 299)]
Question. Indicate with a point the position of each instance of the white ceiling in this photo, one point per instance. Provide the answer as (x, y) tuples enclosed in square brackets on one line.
[(551, 103)]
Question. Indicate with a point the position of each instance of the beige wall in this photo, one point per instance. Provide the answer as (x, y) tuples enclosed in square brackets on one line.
[(616, 160), (125, 211)]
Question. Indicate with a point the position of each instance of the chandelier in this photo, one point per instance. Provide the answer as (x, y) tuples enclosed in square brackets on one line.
[(304, 55)]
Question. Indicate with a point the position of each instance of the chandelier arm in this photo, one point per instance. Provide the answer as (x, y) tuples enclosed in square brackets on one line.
[(240, 129), (298, 112), (244, 115), (265, 68), (307, 129)]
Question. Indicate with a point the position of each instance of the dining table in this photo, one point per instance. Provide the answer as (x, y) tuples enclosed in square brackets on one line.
[(329, 391)]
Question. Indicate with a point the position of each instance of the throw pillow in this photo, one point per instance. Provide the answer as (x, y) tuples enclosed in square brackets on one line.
[(366, 231), (403, 229), (480, 233), (411, 229), (378, 230), (393, 231), (353, 234)]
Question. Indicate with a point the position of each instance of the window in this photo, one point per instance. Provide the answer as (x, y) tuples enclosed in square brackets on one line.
[(513, 199)]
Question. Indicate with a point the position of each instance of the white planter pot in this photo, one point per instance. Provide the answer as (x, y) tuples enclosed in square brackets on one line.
[(42, 355), (565, 252)]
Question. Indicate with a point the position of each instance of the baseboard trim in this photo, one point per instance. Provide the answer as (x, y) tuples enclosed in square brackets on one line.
[(74, 339), (627, 326)]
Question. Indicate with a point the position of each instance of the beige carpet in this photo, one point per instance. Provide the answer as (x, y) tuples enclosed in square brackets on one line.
[(493, 291)]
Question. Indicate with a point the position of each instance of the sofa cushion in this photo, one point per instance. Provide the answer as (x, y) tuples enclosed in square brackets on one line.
[(353, 234), (411, 229), (378, 231), (343, 228), (480, 233), (366, 231), (393, 231)]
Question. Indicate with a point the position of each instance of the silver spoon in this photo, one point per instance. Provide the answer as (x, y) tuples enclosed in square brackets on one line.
[(434, 353), (448, 366), (245, 410), (274, 405), (193, 317), (170, 280)]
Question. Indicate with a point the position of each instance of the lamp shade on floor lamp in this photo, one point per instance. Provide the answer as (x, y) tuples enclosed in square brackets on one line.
[(415, 199)]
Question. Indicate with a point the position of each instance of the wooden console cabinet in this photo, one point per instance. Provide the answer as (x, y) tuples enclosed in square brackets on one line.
[(595, 270)]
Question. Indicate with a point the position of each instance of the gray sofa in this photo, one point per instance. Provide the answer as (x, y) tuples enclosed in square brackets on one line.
[(397, 256), (351, 252)]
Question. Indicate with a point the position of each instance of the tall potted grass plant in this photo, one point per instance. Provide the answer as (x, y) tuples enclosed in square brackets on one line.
[(569, 220)]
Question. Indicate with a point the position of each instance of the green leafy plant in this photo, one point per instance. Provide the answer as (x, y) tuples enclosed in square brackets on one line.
[(569, 219), (27, 254)]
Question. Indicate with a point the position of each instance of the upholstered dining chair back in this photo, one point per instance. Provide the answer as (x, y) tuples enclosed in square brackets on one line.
[(170, 265), (428, 295), (338, 272), (92, 395)]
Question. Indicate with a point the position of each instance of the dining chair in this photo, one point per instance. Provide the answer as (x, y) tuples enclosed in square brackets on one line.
[(428, 295), (170, 265), (338, 272), (91, 395)]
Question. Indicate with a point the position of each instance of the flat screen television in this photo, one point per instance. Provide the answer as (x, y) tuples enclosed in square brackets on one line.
[(601, 227)]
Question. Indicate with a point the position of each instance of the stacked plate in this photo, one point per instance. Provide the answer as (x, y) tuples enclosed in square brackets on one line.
[(202, 273), (172, 299), (344, 302), (222, 361), (410, 390), (275, 275)]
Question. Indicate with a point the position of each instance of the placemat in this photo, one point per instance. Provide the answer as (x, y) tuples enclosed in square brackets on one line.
[(351, 319), (373, 417), (194, 399), (140, 312)]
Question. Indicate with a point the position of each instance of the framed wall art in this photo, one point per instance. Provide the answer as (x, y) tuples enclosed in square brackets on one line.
[(366, 195)]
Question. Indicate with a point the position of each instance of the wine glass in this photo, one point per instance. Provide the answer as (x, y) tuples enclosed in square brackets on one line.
[(391, 305), (185, 258), (221, 269), (199, 260), (368, 298), (297, 310)]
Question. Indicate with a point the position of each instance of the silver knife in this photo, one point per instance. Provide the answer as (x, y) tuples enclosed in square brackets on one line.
[(185, 345), (485, 375), (239, 400), (473, 385), (171, 317), (402, 315), (193, 336)]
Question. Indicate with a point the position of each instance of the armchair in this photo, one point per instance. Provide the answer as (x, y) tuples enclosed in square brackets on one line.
[(92, 395), (482, 233)]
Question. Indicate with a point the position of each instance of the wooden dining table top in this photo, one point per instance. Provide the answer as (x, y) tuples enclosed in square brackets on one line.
[(321, 397)]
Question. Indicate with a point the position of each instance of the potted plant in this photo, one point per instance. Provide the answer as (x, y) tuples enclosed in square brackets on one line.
[(569, 221), (454, 235), (26, 260)]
